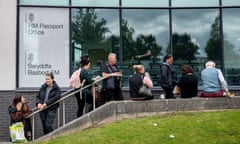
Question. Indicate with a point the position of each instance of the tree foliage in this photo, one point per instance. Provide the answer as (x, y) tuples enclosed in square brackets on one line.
[(88, 30), (213, 47), (150, 42), (128, 42), (183, 47)]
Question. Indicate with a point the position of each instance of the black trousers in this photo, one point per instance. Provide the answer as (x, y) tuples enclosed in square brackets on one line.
[(27, 127), (47, 117), (81, 103), (112, 94), (169, 93)]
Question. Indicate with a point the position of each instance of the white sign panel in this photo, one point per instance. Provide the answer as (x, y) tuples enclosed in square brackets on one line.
[(43, 46)]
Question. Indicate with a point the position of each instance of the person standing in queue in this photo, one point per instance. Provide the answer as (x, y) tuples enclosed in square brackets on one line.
[(112, 86), (168, 76), (48, 94), (87, 96)]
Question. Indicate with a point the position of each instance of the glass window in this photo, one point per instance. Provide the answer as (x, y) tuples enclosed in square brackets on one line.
[(145, 35), (45, 2), (194, 3), (95, 32), (231, 32), (230, 2), (144, 3), (196, 38), (100, 3), (42, 34)]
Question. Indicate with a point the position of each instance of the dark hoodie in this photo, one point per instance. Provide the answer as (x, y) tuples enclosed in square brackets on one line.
[(168, 76)]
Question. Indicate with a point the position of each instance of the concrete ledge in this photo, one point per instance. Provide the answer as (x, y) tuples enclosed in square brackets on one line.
[(117, 110)]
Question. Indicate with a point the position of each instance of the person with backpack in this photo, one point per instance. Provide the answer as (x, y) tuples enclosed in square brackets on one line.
[(77, 84), (86, 80)]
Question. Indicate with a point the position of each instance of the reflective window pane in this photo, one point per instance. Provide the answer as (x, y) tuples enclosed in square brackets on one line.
[(95, 32), (145, 35), (196, 38), (231, 32), (194, 3), (230, 2), (145, 3), (42, 34), (45, 2), (103, 3)]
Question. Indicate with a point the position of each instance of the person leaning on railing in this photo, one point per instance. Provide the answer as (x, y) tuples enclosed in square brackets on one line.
[(48, 94), (87, 96), (112, 86)]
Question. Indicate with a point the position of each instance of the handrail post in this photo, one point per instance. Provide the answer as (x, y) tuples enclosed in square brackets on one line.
[(63, 112), (94, 94), (58, 117), (33, 130)]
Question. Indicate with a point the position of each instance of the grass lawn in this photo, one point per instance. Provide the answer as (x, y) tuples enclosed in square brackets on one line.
[(218, 127)]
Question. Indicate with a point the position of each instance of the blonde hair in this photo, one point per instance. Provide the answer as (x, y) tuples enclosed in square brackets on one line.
[(138, 68)]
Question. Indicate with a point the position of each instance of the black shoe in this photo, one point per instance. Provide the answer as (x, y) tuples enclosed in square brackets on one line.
[(29, 138)]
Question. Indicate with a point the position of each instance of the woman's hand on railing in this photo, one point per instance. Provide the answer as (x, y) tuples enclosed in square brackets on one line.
[(41, 106)]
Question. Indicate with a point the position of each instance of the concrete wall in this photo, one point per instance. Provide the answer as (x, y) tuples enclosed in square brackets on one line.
[(121, 109), (8, 44), (117, 110)]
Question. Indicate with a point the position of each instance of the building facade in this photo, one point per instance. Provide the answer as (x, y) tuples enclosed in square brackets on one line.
[(39, 36)]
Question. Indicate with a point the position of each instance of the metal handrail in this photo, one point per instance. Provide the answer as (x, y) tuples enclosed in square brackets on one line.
[(72, 92)]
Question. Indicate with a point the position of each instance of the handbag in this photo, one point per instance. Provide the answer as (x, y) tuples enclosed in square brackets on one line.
[(17, 132), (144, 91), (177, 90)]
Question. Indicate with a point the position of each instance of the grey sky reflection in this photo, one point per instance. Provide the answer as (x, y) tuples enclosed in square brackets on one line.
[(155, 22), (196, 22), (231, 27)]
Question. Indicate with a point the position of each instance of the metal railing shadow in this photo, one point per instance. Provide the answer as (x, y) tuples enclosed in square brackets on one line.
[(64, 96)]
